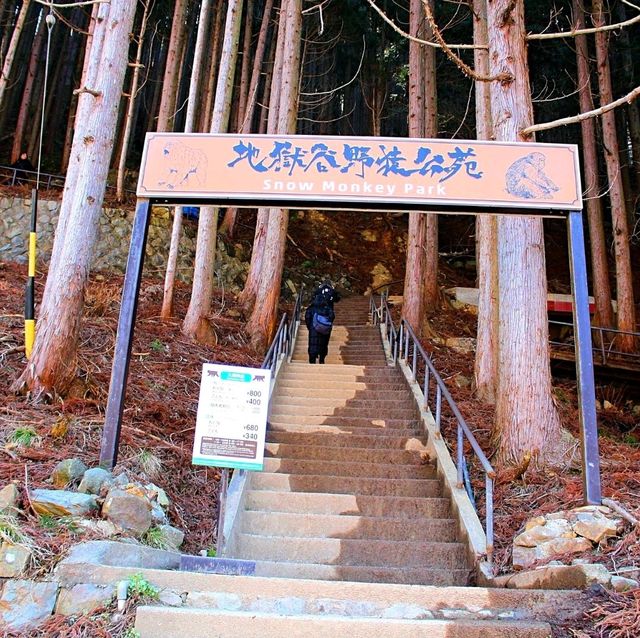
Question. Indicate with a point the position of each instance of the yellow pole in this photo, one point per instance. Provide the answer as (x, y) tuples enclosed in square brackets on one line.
[(29, 302)]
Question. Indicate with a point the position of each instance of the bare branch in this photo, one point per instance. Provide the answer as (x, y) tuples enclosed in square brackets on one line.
[(629, 97), (465, 68), (574, 32), (435, 45), (47, 3)]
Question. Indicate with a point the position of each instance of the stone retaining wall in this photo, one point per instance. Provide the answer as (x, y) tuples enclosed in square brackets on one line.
[(113, 239)]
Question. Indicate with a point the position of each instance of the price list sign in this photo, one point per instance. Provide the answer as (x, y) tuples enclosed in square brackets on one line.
[(232, 417)]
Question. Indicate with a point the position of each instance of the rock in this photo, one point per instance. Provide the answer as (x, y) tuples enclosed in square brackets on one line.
[(461, 344), (113, 554), (539, 534), (460, 381), (67, 472), (94, 479), (562, 546), (14, 559), (556, 577), (158, 515), (595, 527), (160, 494), (369, 235), (9, 496), (522, 557), (172, 536), (129, 512), (102, 527), (25, 604), (170, 599), (380, 276), (83, 599), (608, 406), (61, 503), (535, 522), (620, 584), (121, 480)]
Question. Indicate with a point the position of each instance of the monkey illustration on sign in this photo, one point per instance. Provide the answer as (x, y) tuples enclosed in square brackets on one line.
[(526, 178), (185, 166)]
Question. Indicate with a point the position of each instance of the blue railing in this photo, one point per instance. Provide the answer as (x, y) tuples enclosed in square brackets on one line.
[(406, 347)]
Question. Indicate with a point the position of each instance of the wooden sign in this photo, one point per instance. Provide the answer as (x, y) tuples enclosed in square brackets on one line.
[(361, 170)]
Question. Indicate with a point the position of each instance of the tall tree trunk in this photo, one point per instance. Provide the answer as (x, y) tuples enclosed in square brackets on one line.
[(196, 323), (172, 259), (230, 217), (249, 292), (624, 279), (131, 102), (52, 367), (599, 264), (11, 51), (486, 361), (527, 424), (85, 70), (431, 291), (262, 323), (413, 304), (27, 92), (209, 96), (172, 71)]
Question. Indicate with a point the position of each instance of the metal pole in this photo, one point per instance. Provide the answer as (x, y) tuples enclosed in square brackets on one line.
[(222, 504), (29, 300), (584, 362), (124, 337)]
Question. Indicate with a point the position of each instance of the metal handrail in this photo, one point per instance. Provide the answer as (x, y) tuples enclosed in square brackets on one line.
[(285, 336), (600, 346), (48, 181), (406, 346)]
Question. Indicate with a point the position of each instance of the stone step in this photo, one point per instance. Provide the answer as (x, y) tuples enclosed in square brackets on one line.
[(364, 574), (347, 371), (410, 425), (350, 440), (290, 383), (169, 622), (340, 469), (389, 412), (376, 506), (343, 392), (344, 454), (377, 405), (281, 482), (276, 429), (268, 523), (356, 552)]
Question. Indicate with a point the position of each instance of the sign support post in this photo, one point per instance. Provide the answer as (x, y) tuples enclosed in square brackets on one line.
[(584, 361)]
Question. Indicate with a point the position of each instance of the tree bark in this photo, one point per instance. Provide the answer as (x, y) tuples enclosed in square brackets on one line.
[(624, 279), (527, 424), (27, 92), (205, 115), (172, 71), (245, 124), (262, 323), (599, 264), (52, 367), (172, 259), (196, 322), (413, 304), (131, 102), (11, 51), (486, 361)]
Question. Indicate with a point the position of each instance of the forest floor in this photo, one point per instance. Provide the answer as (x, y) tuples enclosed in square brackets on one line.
[(159, 417)]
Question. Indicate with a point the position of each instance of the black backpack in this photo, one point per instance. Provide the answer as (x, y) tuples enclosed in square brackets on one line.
[(323, 320)]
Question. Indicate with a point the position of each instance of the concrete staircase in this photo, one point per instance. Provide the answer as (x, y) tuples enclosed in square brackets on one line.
[(347, 491), (349, 494)]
